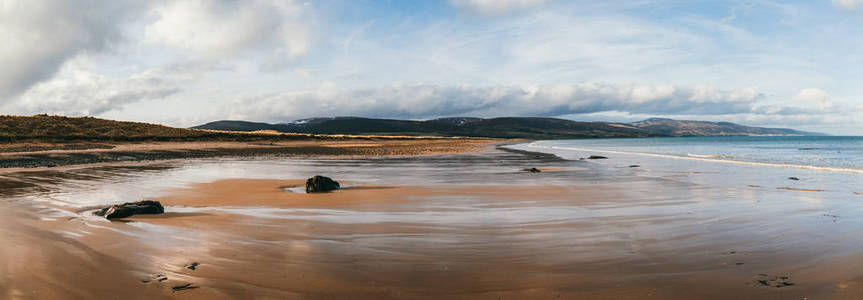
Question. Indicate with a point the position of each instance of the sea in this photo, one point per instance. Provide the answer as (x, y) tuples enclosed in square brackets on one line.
[(824, 164)]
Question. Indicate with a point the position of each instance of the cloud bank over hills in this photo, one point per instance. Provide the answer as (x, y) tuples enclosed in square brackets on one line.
[(426, 101)]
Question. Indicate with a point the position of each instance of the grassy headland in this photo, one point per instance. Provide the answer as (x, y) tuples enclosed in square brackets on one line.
[(48, 141)]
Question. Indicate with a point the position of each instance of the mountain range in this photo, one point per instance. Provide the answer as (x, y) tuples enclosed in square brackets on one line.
[(505, 127)]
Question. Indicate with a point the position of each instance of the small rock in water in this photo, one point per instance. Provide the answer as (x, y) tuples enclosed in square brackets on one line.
[(320, 184), (793, 178), (532, 170), (597, 157), (634, 166), (125, 210)]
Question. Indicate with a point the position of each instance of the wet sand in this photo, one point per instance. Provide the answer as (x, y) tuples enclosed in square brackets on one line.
[(17, 157), (460, 227)]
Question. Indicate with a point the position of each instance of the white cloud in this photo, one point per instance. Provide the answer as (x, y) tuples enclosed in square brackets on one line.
[(225, 27), (423, 101), (812, 95), (77, 91), (494, 7), (39, 36), (815, 95), (848, 4)]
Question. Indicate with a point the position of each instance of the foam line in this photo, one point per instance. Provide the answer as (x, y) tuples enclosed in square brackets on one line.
[(726, 161)]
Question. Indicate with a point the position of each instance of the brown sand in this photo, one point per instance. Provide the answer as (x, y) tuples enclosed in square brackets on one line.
[(119, 153), (40, 262), (383, 146), (264, 192), (248, 256)]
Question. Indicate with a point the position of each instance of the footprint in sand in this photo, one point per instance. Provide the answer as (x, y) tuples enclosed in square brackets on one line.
[(155, 278), (734, 252), (184, 287), (773, 281)]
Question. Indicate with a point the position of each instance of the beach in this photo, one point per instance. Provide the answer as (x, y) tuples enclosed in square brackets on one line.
[(457, 149), (464, 223), (29, 155)]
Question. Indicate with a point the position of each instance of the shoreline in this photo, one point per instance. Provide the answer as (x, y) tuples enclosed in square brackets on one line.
[(726, 173), (708, 159)]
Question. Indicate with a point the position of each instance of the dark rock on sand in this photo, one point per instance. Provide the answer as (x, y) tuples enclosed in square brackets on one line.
[(597, 157), (193, 266), (125, 210), (320, 184), (793, 178), (532, 170), (184, 287)]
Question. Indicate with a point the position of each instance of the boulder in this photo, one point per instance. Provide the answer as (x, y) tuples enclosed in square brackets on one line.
[(126, 210), (193, 266), (532, 170), (184, 287), (597, 157), (320, 184)]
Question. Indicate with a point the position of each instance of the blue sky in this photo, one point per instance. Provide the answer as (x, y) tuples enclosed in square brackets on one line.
[(185, 62)]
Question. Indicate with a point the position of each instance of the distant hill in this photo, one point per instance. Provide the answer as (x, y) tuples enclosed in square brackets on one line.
[(475, 127), (509, 127), (228, 125), (669, 127), (64, 129)]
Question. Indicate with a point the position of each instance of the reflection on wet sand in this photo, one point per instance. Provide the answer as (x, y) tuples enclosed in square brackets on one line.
[(453, 226)]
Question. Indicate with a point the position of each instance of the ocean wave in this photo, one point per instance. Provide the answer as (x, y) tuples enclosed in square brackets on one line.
[(720, 159)]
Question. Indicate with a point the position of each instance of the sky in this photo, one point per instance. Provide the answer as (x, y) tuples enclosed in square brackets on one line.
[(182, 63)]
